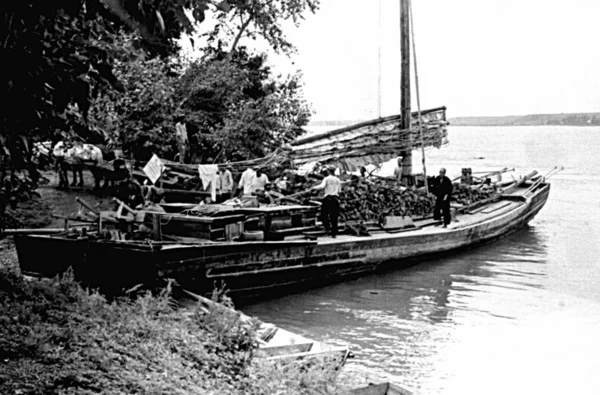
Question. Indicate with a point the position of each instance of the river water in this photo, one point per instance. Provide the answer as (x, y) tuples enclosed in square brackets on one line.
[(517, 316)]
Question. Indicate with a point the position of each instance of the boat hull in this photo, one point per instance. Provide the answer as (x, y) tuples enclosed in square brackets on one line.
[(264, 269), (251, 271)]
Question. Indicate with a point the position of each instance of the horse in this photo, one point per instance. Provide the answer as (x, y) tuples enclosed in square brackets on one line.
[(75, 157), (42, 154)]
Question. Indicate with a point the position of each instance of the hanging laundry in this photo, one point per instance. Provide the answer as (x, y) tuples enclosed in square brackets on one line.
[(208, 176)]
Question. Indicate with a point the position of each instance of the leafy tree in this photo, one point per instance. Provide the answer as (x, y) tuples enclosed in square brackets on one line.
[(142, 119), (236, 110), (258, 18), (56, 52), (59, 49)]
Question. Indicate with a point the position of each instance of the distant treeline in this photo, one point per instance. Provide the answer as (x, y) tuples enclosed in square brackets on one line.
[(581, 119)]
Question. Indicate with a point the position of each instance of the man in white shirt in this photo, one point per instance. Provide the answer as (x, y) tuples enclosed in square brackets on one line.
[(330, 209), (246, 181), (260, 181)]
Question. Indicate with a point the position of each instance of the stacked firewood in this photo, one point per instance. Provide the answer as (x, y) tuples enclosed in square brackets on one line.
[(368, 200), (468, 194), (376, 198)]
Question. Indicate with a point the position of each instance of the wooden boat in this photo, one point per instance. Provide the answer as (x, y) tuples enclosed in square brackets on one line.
[(264, 268), (278, 344), (381, 389)]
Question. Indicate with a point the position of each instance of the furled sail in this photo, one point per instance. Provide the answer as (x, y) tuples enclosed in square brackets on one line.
[(371, 142)]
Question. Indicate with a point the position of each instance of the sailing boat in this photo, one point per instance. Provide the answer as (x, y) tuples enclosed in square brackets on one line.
[(263, 268)]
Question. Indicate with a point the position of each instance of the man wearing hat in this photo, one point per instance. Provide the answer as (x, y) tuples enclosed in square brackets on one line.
[(330, 209), (443, 191)]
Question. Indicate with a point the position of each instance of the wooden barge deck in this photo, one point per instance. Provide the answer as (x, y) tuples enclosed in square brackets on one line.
[(264, 268)]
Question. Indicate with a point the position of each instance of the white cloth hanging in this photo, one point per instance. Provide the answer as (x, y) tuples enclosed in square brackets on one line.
[(208, 175)]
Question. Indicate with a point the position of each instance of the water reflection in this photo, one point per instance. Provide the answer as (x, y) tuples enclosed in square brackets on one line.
[(520, 315), (397, 322)]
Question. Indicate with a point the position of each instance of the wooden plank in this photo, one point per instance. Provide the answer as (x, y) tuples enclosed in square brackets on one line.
[(193, 219), (395, 222), (266, 352), (496, 208), (294, 231), (26, 231), (340, 262), (156, 227)]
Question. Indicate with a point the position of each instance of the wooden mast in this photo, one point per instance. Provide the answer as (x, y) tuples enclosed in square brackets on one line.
[(379, 59), (405, 88)]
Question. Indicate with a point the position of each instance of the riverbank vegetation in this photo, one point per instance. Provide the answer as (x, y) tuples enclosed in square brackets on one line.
[(112, 71), (56, 338)]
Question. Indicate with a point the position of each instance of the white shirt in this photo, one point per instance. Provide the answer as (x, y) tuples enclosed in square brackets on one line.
[(247, 180), (225, 181), (331, 186), (259, 182), (60, 149)]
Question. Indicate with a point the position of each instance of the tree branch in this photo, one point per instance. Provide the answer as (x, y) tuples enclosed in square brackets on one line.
[(239, 36)]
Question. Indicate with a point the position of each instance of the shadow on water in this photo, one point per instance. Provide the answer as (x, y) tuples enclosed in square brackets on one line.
[(397, 320), (517, 260)]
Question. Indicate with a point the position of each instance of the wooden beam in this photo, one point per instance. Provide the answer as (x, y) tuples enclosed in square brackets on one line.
[(405, 105)]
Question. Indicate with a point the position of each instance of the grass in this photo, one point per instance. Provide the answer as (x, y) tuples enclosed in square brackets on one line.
[(57, 338)]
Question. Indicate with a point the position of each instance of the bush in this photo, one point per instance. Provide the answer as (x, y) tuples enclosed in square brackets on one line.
[(56, 338)]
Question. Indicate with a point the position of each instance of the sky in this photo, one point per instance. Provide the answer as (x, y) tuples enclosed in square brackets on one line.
[(476, 57)]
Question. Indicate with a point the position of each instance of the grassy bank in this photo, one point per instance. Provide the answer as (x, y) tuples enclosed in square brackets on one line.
[(56, 338)]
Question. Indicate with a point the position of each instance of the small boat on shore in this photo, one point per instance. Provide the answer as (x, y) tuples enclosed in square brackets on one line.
[(381, 389), (280, 345)]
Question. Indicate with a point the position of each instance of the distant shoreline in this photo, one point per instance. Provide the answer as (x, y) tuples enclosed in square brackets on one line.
[(574, 119), (579, 119)]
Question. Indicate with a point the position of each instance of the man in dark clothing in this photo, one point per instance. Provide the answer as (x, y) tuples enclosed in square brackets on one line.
[(443, 191)]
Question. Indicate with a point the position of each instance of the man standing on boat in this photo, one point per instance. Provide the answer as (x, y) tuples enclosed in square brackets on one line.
[(398, 171), (246, 181), (260, 181), (225, 183), (443, 191), (330, 208)]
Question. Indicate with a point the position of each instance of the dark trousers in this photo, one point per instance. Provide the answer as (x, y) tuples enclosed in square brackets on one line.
[(442, 206), (330, 211), (225, 196)]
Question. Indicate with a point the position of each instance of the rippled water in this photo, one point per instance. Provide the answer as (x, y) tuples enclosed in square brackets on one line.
[(520, 315)]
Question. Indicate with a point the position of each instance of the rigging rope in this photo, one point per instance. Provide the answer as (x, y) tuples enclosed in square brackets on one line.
[(414, 51)]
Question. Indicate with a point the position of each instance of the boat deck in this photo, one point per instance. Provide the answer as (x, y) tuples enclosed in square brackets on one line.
[(430, 227)]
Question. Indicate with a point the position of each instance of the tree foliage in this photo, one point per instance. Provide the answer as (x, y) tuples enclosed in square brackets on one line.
[(259, 18), (233, 108), (237, 110), (57, 52), (63, 55), (142, 119)]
